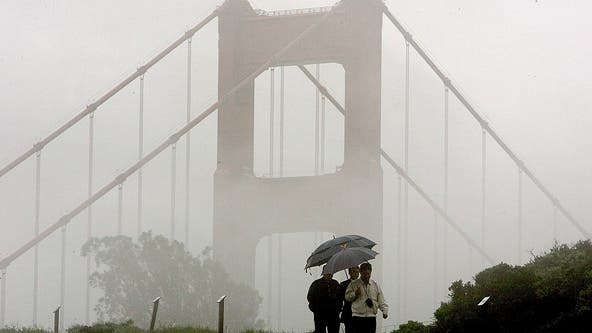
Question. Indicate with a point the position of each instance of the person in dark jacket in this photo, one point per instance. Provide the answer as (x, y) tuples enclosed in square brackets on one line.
[(346, 312), (325, 301)]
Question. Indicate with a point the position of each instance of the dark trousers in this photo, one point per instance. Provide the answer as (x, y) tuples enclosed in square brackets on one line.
[(348, 325), (326, 323), (364, 324)]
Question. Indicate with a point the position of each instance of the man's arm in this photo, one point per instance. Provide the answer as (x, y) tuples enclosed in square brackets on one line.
[(381, 302), (352, 292)]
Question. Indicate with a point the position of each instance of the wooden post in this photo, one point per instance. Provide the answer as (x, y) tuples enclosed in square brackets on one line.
[(154, 311), (221, 314)]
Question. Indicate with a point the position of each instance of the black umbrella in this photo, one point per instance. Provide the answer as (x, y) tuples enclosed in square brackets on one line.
[(325, 251), (348, 257)]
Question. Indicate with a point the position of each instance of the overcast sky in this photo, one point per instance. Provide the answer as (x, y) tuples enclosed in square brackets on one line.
[(524, 64)]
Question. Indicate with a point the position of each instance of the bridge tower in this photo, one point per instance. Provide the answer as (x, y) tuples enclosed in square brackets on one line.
[(246, 207)]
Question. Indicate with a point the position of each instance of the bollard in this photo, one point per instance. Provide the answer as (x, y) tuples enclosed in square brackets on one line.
[(154, 310), (221, 314), (56, 320)]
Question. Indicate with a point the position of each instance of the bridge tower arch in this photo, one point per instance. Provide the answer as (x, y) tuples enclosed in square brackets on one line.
[(247, 207)]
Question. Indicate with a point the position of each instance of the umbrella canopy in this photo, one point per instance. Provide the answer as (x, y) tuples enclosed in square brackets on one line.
[(325, 251), (348, 257)]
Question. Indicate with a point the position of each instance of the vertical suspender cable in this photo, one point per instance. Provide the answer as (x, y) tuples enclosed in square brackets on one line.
[(282, 122), (318, 75), (63, 279), (280, 236), (140, 154), (269, 280), (188, 146), (435, 268), (399, 249), (483, 184), (91, 145), (520, 215), (406, 186), (271, 120), (2, 297), (271, 173), (323, 102), (173, 187), (120, 209), (446, 152), (36, 251), (554, 223)]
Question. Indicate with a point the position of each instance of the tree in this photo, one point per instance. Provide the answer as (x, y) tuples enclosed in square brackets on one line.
[(413, 327), (552, 293), (132, 274)]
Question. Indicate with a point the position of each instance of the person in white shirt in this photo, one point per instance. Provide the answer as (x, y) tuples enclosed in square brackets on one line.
[(366, 298)]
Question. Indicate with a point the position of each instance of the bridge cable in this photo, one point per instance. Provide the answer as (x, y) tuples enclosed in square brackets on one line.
[(188, 146), (406, 187), (271, 174), (323, 128), (399, 246), (483, 123), (435, 268), (120, 209), (92, 107), (67, 218), (280, 236), (446, 175), (554, 224), (520, 221), (63, 278), (140, 157), (36, 231), (173, 187), (271, 120), (317, 96), (2, 296), (446, 217), (483, 185), (89, 217)]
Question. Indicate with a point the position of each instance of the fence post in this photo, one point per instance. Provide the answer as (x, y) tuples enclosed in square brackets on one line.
[(221, 314), (154, 311), (56, 320)]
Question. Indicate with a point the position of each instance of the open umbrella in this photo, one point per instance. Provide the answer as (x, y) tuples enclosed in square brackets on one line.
[(348, 257), (325, 251)]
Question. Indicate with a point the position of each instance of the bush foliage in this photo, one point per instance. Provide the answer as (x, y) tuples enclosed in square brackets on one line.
[(552, 293)]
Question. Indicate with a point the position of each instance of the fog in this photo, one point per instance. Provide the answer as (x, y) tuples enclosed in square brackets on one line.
[(523, 64)]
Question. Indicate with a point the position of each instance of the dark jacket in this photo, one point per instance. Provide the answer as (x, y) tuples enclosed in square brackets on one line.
[(346, 312), (324, 297)]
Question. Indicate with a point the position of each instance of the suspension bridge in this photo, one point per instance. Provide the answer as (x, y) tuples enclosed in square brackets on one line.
[(283, 44)]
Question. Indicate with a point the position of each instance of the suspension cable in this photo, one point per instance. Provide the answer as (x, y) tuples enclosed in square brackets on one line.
[(140, 156), (269, 280), (63, 278), (92, 107), (188, 146), (280, 236), (67, 218), (483, 184), (36, 231), (317, 95), (483, 123), (520, 216), (446, 175), (282, 121), (271, 120), (406, 186), (91, 130), (120, 209), (323, 143), (399, 248), (173, 186), (555, 224), (2, 296), (446, 217), (435, 268)]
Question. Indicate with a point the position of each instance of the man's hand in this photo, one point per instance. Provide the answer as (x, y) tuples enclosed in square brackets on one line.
[(384, 316), (358, 292)]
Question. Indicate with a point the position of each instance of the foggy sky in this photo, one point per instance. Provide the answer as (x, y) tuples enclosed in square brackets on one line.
[(523, 64)]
